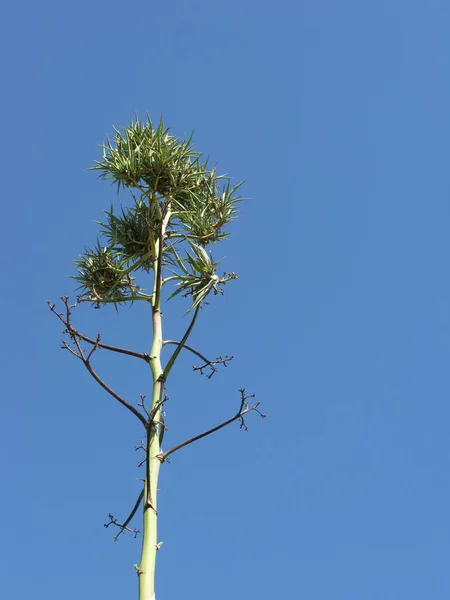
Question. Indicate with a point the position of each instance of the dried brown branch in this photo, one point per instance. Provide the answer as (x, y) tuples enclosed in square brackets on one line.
[(86, 359), (66, 346), (142, 404), (142, 446), (106, 387), (124, 526), (208, 364), (211, 364), (71, 330), (243, 410)]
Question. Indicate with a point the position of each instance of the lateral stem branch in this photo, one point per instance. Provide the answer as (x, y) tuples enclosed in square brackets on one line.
[(86, 359), (244, 409), (124, 526), (207, 363), (72, 331)]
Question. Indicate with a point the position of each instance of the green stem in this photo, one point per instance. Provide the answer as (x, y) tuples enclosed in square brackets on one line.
[(149, 538), (146, 570), (171, 278)]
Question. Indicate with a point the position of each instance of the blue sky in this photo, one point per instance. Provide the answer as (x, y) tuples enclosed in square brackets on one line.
[(336, 114)]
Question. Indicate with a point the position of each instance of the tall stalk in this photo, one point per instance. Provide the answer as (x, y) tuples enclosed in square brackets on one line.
[(146, 570), (180, 209)]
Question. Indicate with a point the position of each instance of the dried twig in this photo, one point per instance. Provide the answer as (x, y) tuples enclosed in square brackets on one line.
[(243, 410), (86, 359), (124, 526), (211, 364), (142, 404), (72, 331)]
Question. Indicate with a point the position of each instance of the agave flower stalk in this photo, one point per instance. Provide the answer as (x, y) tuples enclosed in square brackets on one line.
[(179, 210)]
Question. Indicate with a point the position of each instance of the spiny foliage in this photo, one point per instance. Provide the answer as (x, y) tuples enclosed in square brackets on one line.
[(180, 207)]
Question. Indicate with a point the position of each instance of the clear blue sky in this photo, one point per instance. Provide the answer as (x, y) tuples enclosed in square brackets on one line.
[(337, 114)]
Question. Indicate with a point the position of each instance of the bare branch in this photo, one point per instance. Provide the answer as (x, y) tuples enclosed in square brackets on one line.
[(140, 447), (71, 330), (143, 447), (142, 404), (141, 355), (66, 346), (124, 526), (109, 390), (93, 349), (86, 359), (243, 410), (211, 364)]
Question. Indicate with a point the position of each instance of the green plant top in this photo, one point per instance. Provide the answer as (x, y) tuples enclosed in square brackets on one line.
[(180, 209)]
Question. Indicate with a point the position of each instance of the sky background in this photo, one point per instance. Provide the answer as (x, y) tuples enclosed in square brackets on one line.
[(337, 115)]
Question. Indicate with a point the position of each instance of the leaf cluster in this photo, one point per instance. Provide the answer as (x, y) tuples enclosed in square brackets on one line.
[(198, 275), (203, 212), (103, 274), (133, 232), (179, 207), (143, 157)]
